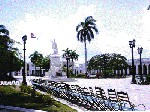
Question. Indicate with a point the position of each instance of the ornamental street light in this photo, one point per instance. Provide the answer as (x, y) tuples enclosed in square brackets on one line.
[(24, 38), (132, 45), (140, 52)]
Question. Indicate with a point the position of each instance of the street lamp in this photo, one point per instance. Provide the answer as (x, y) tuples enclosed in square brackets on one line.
[(140, 52), (24, 38), (132, 45), (67, 58)]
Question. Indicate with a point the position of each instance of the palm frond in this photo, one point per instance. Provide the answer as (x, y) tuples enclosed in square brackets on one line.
[(78, 34), (78, 26), (91, 33), (88, 37), (88, 18), (93, 28), (82, 36)]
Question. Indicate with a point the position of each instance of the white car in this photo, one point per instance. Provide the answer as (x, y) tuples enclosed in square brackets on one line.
[(92, 75)]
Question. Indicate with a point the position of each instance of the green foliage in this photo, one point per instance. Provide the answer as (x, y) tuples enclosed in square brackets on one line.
[(108, 73), (64, 69), (46, 63), (107, 63), (81, 76), (70, 55), (86, 29), (85, 32), (26, 89), (9, 60), (39, 102), (67, 54), (148, 79), (36, 59), (7, 90)]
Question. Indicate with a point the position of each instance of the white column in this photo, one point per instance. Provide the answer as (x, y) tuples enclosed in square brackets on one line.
[(127, 71)]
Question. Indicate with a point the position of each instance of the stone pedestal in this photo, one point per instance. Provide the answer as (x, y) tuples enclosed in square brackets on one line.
[(55, 65)]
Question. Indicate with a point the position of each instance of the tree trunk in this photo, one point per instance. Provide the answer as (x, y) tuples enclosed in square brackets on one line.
[(35, 70), (85, 57), (72, 66)]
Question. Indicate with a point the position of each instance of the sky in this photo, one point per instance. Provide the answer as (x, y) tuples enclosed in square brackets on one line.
[(118, 22)]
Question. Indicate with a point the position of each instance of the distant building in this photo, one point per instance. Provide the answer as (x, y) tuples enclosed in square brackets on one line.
[(30, 70), (145, 67)]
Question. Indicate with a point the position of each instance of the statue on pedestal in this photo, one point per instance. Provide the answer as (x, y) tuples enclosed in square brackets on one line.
[(54, 47)]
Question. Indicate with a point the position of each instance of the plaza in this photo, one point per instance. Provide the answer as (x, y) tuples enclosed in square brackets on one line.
[(138, 94)]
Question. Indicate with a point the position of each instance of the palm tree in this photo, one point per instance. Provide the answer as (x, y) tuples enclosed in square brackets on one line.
[(46, 62), (73, 56), (66, 55), (39, 61), (35, 58), (85, 33)]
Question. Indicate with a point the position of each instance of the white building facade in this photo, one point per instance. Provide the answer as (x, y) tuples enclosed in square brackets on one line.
[(145, 67), (30, 70)]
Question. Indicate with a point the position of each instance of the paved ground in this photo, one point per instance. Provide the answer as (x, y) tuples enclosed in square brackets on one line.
[(137, 93)]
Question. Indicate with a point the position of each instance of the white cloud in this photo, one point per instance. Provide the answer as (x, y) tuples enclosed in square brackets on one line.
[(112, 38)]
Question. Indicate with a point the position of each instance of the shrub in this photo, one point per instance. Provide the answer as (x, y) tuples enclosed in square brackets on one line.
[(81, 76), (148, 79), (26, 89), (7, 90), (11, 96)]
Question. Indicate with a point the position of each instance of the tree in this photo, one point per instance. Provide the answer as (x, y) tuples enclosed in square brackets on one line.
[(85, 32), (9, 60), (66, 55), (95, 63), (4, 31), (14, 63), (46, 63), (107, 63), (36, 59), (40, 62), (73, 56), (118, 62)]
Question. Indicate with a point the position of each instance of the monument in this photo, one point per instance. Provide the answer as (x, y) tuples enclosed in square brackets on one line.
[(55, 63), (56, 66)]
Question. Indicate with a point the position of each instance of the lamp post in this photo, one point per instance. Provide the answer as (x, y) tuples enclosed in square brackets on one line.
[(24, 38), (140, 52), (132, 45), (67, 58)]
